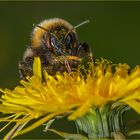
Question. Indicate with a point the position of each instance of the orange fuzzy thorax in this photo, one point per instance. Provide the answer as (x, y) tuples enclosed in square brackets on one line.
[(47, 24)]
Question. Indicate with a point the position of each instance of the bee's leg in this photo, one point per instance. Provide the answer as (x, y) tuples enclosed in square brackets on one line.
[(87, 49), (25, 68), (21, 75), (67, 65)]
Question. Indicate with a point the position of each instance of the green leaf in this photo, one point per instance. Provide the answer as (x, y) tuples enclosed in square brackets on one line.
[(134, 132), (69, 135), (48, 124)]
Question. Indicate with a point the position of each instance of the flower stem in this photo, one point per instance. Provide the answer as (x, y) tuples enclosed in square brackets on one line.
[(102, 122)]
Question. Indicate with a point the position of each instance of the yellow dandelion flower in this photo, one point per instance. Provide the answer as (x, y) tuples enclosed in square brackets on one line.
[(74, 94)]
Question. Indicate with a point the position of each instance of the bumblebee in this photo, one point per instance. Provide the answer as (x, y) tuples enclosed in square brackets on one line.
[(55, 41)]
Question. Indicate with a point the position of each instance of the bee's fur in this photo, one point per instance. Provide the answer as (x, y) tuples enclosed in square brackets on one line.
[(48, 24), (51, 60)]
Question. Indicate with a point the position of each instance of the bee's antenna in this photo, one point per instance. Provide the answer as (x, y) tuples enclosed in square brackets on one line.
[(82, 23), (34, 25), (43, 29)]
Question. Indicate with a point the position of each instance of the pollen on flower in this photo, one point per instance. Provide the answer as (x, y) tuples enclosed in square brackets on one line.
[(72, 94)]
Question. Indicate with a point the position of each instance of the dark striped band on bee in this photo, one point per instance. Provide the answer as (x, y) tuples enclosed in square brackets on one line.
[(56, 42)]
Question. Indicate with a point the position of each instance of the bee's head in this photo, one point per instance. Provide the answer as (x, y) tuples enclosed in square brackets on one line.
[(55, 34)]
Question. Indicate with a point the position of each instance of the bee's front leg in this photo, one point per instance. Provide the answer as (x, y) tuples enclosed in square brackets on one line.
[(84, 50)]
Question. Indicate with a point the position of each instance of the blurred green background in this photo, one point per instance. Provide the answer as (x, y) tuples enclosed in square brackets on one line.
[(113, 33)]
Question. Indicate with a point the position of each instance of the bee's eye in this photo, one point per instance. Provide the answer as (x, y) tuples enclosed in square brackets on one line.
[(68, 40), (52, 41)]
